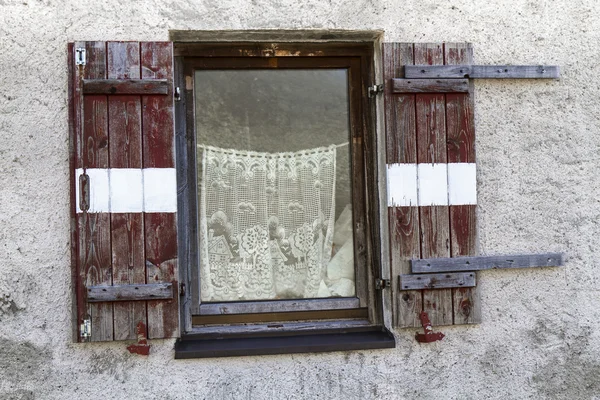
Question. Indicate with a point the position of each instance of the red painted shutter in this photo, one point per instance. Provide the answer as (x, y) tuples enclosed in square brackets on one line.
[(427, 129), (122, 139)]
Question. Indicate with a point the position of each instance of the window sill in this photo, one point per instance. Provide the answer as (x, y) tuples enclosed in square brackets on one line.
[(193, 346)]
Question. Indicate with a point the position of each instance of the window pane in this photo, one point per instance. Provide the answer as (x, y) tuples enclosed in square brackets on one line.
[(274, 184)]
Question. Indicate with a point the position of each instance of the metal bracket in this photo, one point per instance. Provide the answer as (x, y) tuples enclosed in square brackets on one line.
[(141, 347), (84, 192), (177, 94), (85, 329), (382, 284), (374, 90), (181, 289), (80, 58), (429, 335)]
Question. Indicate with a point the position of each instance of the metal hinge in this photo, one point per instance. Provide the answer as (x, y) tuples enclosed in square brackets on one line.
[(182, 289), (375, 90), (80, 56), (382, 284), (177, 94), (85, 330)]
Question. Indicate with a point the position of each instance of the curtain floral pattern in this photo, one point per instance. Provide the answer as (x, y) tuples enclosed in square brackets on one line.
[(266, 223)]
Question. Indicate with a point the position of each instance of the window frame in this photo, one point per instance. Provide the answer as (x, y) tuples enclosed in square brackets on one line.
[(367, 217)]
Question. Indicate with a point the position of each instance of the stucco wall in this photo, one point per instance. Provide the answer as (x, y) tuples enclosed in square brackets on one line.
[(539, 190)]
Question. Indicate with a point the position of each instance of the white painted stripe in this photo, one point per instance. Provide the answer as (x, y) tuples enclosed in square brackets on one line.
[(402, 185), (431, 184), (127, 190), (462, 183), (160, 190)]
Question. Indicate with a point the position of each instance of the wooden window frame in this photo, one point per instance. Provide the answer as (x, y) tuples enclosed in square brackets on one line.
[(364, 311)]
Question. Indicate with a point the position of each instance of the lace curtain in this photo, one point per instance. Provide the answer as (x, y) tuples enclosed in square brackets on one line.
[(266, 223)]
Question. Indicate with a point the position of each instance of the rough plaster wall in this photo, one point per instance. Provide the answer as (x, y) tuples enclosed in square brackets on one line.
[(537, 150)]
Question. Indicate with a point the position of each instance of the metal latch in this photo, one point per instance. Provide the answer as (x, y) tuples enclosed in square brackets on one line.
[(85, 329), (84, 192), (375, 90), (382, 284), (429, 335), (80, 56)]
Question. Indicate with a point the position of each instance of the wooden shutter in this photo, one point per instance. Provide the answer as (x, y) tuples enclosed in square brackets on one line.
[(123, 189), (429, 135)]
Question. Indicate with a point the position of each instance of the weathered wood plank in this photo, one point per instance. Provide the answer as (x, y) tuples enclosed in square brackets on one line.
[(73, 131), (431, 148), (125, 149), (94, 229), (437, 281), (483, 71), (467, 306), (460, 132), (125, 86), (401, 148), (159, 152), (278, 306), (155, 291), (430, 85), (486, 262)]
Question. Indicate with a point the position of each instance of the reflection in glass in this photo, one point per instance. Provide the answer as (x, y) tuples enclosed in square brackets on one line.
[(274, 184)]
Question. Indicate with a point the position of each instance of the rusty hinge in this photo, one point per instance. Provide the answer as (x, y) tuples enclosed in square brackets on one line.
[(80, 58), (429, 335), (374, 90), (382, 284), (85, 329)]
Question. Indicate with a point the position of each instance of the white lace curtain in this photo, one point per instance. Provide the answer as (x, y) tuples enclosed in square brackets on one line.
[(266, 223)]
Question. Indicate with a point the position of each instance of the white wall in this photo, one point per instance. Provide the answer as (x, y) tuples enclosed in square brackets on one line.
[(538, 148)]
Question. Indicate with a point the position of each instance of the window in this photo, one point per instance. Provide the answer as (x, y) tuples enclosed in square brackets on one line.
[(279, 165), (243, 217)]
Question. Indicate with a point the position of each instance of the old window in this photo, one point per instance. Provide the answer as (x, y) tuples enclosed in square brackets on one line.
[(280, 164)]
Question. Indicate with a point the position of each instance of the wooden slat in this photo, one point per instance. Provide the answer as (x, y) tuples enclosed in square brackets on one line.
[(159, 152), (430, 85), (460, 132), (125, 86), (125, 144), (73, 128), (94, 229), (487, 262), (431, 148), (401, 148), (132, 293), (483, 71), (437, 281)]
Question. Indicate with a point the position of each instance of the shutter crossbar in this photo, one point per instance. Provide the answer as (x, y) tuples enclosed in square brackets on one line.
[(482, 71), (155, 291), (486, 262), (430, 85)]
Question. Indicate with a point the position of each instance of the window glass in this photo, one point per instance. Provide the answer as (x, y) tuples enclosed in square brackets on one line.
[(274, 188)]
